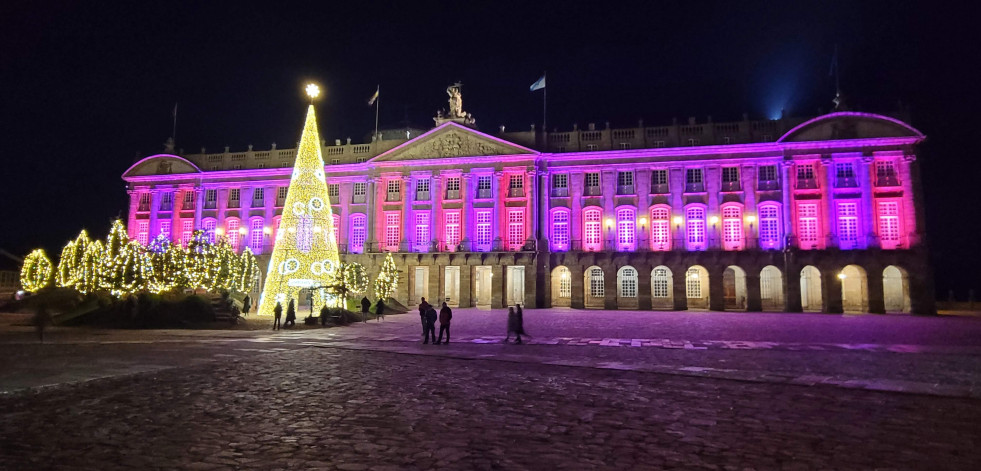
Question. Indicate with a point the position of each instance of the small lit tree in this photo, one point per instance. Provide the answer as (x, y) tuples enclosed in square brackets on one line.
[(388, 278), (355, 278), (91, 259), (248, 271), (37, 271), (70, 270), (199, 261), (167, 262), (225, 266)]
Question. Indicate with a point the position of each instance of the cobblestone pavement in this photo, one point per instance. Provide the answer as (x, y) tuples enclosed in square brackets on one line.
[(323, 408)]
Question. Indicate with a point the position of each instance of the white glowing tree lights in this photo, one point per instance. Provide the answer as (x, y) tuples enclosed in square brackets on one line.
[(305, 251), (388, 278)]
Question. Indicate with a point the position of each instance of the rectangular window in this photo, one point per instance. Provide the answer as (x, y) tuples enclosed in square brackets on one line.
[(659, 283), (628, 283), (452, 229), (768, 173), (144, 202), (560, 230), (188, 200), (560, 184), (255, 237), (516, 229), (847, 225), (769, 227), (335, 161), (394, 190), (166, 201), (659, 181), (592, 229), (660, 229), (625, 183), (592, 184), (258, 196), (596, 287), (626, 229), (422, 231), (730, 174), (693, 180), (187, 231), (422, 189), (453, 188), (805, 176), (885, 173), (695, 225), (565, 286), (484, 230), (889, 224), (358, 232), (333, 190), (807, 221), (845, 175), (484, 183), (143, 232), (165, 229), (732, 228), (234, 196), (360, 190), (392, 231), (516, 186), (281, 193)]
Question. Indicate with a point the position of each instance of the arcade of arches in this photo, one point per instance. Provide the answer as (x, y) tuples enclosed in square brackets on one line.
[(734, 288)]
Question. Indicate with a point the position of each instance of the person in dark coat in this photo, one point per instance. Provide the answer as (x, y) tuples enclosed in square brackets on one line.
[(246, 305), (380, 307), (431, 317), (290, 314), (278, 314), (519, 322), (423, 309), (365, 306), (445, 314)]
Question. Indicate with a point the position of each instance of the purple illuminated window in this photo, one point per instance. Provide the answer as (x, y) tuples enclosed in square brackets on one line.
[(769, 226), (231, 231), (516, 229), (451, 223), (484, 230), (695, 227), (889, 227), (255, 236), (660, 229), (732, 227), (592, 229), (422, 231), (187, 231), (807, 225), (626, 229), (560, 230), (143, 233), (165, 229), (209, 225), (392, 230), (847, 225), (358, 232)]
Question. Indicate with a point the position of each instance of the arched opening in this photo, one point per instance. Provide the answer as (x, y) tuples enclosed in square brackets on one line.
[(734, 288), (662, 288), (595, 288), (895, 289), (854, 289), (810, 289), (771, 288), (561, 287), (697, 287), (627, 288)]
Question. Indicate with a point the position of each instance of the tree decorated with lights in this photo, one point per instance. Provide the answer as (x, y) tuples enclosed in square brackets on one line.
[(199, 261), (167, 263), (226, 267), (37, 271), (305, 250), (70, 267), (355, 278), (125, 266), (388, 278), (91, 260), (248, 271)]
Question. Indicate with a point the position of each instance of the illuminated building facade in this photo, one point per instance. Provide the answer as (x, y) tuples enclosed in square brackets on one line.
[(790, 215)]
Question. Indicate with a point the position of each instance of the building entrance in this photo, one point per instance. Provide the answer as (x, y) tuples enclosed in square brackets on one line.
[(516, 285), (482, 286), (420, 283), (451, 286)]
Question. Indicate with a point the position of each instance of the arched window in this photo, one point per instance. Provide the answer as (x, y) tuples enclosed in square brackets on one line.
[(231, 231), (770, 233), (255, 235), (560, 230), (208, 225), (660, 228), (336, 220), (596, 286), (275, 233), (358, 232), (627, 282), (592, 229), (848, 226), (661, 282), (890, 226), (626, 229), (695, 227), (732, 227), (451, 229), (771, 288), (693, 283), (808, 229)]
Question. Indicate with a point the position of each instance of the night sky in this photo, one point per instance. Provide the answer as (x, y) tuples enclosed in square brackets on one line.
[(86, 87)]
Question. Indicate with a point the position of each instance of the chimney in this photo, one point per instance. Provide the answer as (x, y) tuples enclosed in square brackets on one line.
[(691, 120), (273, 146), (250, 147), (575, 126), (337, 142), (349, 141), (592, 126), (203, 150), (226, 149), (532, 128)]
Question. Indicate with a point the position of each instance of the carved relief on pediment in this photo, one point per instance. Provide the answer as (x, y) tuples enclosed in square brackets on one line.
[(453, 144)]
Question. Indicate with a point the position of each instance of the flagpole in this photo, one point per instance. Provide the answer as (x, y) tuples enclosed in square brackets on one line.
[(173, 134), (377, 105), (545, 109)]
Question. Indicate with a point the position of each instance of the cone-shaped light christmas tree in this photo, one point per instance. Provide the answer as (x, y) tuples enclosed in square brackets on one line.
[(305, 251)]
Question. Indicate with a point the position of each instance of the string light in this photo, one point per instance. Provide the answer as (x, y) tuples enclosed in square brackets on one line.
[(355, 278), (388, 278), (305, 254), (36, 272)]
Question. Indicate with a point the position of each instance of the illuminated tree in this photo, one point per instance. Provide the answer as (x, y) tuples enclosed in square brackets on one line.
[(36, 272), (199, 261), (91, 259), (125, 267), (248, 271), (305, 250), (167, 263), (388, 278), (355, 278), (226, 267), (70, 264)]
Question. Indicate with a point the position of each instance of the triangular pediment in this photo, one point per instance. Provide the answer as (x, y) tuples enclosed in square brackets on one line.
[(161, 164), (452, 140)]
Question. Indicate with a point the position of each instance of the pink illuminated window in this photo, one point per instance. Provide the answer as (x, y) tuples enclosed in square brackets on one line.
[(769, 226), (660, 229), (695, 228), (231, 231), (143, 233), (209, 225), (484, 230), (255, 235), (422, 231), (165, 229), (187, 231), (732, 228), (276, 227), (592, 229), (560, 230), (889, 230), (807, 225), (358, 232), (626, 229), (452, 229), (847, 225), (392, 231), (516, 229)]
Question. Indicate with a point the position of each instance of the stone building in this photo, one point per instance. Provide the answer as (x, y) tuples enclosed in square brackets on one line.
[(823, 214)]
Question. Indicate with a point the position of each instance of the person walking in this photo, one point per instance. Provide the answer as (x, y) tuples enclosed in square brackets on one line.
[(365, 306), (380, 307), (519, 322), (445, 314), (423, 309), (290, 314), (430, 332), (512, 322), (278, 314), (246, 305)]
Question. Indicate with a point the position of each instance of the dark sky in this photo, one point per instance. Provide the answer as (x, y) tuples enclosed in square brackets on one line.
[(87, 86)]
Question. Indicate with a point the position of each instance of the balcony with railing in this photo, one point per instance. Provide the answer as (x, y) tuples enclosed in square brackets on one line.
[(592, 191), (452, 194), (485, 193), (767, 185), (422, 195), (560, 192), (625, 190), (731, 186), (143, 207), (659, 189), (233, 203), (698, 187), (358, 199), (887, 180), (516, 192), (166, 205), (846, 182), (807, 184), (393, 196)]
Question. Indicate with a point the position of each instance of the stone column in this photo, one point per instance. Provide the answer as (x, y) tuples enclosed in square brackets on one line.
[(791, 285), (754, 301), (498, 299), (531, 207), (676, 185), (575, 224), (372, 199), (498, 229), (154, 209), (867, 210), (466, 285), (543, 200), (679, 274), (199, 206), (830, 218), (785, 192), (912, 237), (269, 213), (644, 286), (467, 231), (610, 292), (642, 185), (578, 300), (134, 205), (408, 188), (436, 215), (716, 291), (877, 297), (831, 291), (748, 182)]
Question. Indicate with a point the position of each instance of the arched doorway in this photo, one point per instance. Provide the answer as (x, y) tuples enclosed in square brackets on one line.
[(561, 287), (734, 288), (854, 289), (895, 289), (771, 288), (627, 288), (810, 289), (662, 288), (595, 288), (697, 287)]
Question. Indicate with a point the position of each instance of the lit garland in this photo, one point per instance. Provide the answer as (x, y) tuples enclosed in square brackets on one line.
[(355, 278), (89, 281), (70, 269), (388, 278), (36, 272), (248, 271), (305, 250), (125, 266)]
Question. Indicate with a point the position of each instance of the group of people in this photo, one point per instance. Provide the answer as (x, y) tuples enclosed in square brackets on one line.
[(290, 315), (428, 317)]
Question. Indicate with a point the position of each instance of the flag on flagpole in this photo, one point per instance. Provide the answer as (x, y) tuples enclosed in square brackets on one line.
[(374, 97), (174, 114), (539, 84)]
